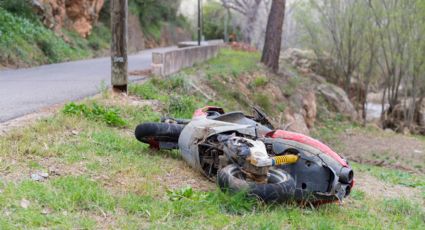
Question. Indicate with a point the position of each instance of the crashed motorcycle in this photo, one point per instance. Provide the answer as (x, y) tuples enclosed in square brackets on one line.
[(245, 153)]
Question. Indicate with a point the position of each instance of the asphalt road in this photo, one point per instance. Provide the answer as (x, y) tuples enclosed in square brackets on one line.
[(25, 91)]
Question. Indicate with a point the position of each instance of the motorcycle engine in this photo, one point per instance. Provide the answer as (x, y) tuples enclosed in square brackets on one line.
[(250, 155)]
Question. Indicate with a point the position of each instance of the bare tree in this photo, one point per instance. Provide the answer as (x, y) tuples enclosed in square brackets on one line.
[(369, 67), (273, 41), (249, 9), (393, 39), (344, 23)]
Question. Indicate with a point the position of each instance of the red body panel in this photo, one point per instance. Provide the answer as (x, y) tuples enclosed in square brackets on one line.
[(203, 111), (308, 141)]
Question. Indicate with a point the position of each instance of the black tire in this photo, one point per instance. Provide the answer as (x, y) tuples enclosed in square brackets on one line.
[(280, 186), (160, 132)]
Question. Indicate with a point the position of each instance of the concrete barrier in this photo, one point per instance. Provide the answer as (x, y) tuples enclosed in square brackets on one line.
[(169, 62), (203, 43)]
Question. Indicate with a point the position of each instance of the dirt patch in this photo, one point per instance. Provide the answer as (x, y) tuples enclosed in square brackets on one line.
[(145, 72), (120, 99), (17, 170), (182, 176), (28, 119), (377, 189), (384, 149)]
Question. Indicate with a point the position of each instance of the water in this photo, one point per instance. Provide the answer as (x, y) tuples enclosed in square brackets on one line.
[(373, 110)]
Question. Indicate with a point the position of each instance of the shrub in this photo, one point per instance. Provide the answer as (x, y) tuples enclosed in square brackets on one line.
[(96, 112), (260, 81), (264, 102), (182, 106), (22, 8), (146, 91)]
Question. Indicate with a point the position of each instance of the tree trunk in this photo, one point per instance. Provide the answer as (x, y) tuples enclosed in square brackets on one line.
[(273, 41)]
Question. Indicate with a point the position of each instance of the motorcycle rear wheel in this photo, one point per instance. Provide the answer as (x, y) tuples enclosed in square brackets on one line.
[(159, 132), (280, 186)]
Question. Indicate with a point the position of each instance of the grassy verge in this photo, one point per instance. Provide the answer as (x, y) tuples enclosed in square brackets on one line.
[(101, 177)]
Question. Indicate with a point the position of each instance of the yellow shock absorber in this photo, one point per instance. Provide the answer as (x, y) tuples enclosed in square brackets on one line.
[(285, 159)]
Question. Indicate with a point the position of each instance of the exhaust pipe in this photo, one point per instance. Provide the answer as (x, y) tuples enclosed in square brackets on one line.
[(346, 175)]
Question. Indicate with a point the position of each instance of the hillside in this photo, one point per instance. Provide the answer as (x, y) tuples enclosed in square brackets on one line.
[(50, 31), (99, 176)]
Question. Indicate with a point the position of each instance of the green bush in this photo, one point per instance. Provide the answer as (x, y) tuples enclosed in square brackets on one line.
[(264, 102), (22, 8), (95, 112), (260, 81)]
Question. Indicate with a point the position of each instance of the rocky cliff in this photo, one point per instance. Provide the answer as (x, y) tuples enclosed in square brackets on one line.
[(78, 15)]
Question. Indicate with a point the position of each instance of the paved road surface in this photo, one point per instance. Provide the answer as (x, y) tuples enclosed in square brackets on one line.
[(25, 91)]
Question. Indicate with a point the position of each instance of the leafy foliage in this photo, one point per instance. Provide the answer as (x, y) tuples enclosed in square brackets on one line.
[(260, 81), (173, 93), (214, 26), (152, 15), (95, 112), (263, 100), (22, 8), (24, 40)]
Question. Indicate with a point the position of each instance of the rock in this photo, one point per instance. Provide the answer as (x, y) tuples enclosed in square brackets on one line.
[(302, 59), (338, 99), (36, 177), (300, 115), (396, 119), (307, 62), (405, 131), (79, 15), (389, 131), (25, 203), (296, 123), (46, 211), (317, 78), (39, 176), (44, 174), (420, 113), (309, 108), (135, 35)]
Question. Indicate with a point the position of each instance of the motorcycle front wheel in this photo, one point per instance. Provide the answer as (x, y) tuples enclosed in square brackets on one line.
[(280, 186)]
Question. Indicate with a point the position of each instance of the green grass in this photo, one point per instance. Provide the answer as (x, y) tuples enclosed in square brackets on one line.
[(179, 100), (264, 102), (121, 181), (105, 178), (231, 63), (260, 81), (393, 176)]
